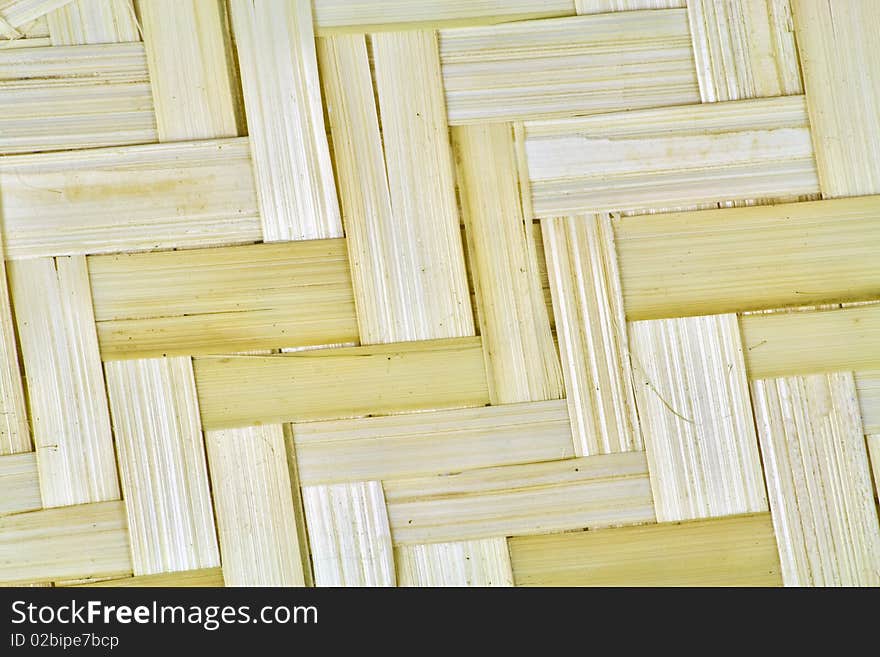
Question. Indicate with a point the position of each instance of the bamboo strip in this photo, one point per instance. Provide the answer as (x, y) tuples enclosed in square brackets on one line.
[(784, 344), (604, 6), (162, 465), (735, 551), (93, 21), (399, 446), (74, 97), (66, 543), (71, 422), (130, 198), (378, 15), (588, 308), (253, 500), (424, 295), (598, 491), (206, 577), (750, 258), (19, 483), (15, 434), (336, 383), (837, 42), (521, 360), (480, 563), (693, 403), (18, 13), (819, 481), (190, 56), (744, 49), (873, 442), (868, 385), (568, 67), (671, 157), (218, 300), (279, 71), (34, 34), (349, 535)]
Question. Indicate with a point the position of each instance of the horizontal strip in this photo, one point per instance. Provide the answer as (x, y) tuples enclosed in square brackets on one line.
[(732, 260), (238, 391), (732, 551), (19, 483), (380, 15), (432, 443), (868, 386), (204, 577), (74, 97), (596, 491), (131, 198), (208, 301), (568, 66), (88, 540), (806, 342), (671, 157)]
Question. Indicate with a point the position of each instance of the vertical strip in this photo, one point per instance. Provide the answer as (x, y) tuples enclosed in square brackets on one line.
[(162, 465), (521, 359), (693, 401), (351, 538), (463, 563), (279, 72), (816, 464), (192, 72), (71, 422), (837, 42), (590, 324), (254, 505), (14, 433)]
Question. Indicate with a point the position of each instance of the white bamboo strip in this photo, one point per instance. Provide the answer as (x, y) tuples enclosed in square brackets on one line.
[(71, 422), (744, 49), (14, 431), (751, 258), (521, 360), (423, 293), (212, 577), (671, 157), (381, 448), (590, 324), (162, 465), (222, 300), (735, 551), (19, 13), (130, 198), (604, 6), (19, 483), (336, 383), (568, 66), (597, 491), (868, 385), (93, 21), (88, 540), (376, 15), (279, 71), (782, 344), (253, 500), (349, 535), (837, 42), (693, 402), (59, 98), (190, 56), (480, 563), (34, 34), (818, 479)]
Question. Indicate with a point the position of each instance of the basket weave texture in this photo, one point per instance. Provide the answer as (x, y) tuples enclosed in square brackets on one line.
[(439, 293)]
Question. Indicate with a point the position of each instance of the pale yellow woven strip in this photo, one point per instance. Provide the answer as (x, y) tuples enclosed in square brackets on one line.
[(93, 21)]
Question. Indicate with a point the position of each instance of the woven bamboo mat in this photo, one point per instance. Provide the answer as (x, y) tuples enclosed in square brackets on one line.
[(440, 292)]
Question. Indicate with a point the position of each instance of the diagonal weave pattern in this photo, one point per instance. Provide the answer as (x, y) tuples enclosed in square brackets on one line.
[(377, 293)]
